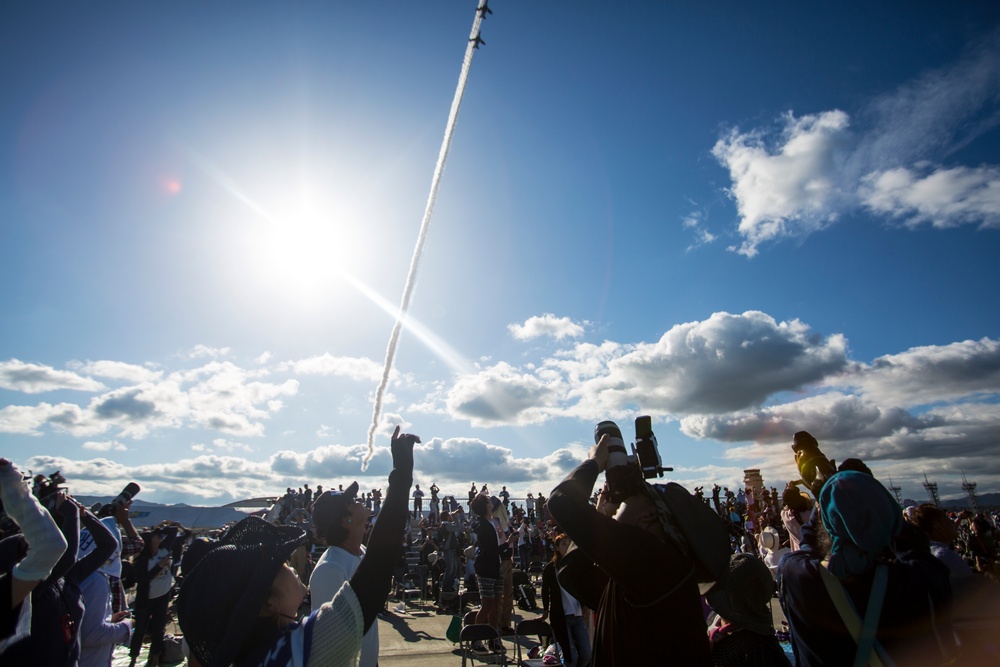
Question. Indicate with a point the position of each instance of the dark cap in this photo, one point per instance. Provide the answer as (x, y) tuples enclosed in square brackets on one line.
[(744, 598), (331, 506)]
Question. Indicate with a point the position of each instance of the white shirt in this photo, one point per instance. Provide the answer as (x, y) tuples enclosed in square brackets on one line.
[(335, 567)]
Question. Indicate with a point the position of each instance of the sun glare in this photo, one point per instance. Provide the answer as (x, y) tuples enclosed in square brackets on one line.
[(307, 243)]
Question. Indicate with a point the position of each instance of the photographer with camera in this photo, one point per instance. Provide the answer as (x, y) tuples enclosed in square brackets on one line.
[(56, 602), (23, 569), (639, 570), (864, 586)]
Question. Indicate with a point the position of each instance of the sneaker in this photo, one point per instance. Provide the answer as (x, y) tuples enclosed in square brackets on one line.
[(496, 646), (479, 647)]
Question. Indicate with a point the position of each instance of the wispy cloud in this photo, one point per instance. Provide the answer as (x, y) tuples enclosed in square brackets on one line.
[(801, 177), (205, 351), (940, 197), (118, 370), (35, 378)]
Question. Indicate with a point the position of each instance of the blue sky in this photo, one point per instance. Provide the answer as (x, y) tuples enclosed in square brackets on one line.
[(744, 221)]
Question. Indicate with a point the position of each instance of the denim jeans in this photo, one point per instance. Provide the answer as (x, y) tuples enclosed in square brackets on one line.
[(580, 640)]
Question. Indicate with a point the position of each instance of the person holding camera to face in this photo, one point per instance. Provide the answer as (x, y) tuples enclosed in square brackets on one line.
[(637, 569), (864, 587)]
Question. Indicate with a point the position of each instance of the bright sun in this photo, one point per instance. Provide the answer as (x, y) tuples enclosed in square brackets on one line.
[(308, 244)]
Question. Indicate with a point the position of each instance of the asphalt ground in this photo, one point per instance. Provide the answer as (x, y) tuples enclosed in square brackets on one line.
[(415, 637)]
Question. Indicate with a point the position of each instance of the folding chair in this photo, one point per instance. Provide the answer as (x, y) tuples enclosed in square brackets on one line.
[(535, 570), (410, 587), (480, 632), (539, 628), (469, 618)]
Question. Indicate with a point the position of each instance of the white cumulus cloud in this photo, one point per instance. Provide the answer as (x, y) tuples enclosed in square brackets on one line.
[(546, 325), (799, 179)]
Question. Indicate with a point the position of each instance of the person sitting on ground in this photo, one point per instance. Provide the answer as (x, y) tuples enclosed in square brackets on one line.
[(339, 519), (239, 605), (743, 633)]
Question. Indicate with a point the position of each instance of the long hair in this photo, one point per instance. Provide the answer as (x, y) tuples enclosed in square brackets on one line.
[(555, 543)]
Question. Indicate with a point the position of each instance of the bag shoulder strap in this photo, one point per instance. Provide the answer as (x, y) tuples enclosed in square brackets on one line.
[(870, 651)]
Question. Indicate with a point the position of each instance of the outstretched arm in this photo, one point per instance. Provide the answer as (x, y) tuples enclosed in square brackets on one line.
[(373, 577)]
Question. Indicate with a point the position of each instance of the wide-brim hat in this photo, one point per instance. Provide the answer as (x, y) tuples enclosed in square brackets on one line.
[(744, 598), (331, 506), (221, 597)]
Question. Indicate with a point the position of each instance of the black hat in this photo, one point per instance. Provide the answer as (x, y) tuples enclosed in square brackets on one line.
[(221, 597), (331, 506)]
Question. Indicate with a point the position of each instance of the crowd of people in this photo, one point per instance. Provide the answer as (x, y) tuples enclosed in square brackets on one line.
[(631, 572)]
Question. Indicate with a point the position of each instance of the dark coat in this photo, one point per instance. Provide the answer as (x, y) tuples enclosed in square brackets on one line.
[(553, 606)]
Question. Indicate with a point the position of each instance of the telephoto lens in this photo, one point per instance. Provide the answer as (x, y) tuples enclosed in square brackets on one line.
[(120, 500)]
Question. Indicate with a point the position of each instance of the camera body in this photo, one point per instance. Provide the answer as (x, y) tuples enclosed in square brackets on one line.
[(626, 471), (45, 488), (814, 467)]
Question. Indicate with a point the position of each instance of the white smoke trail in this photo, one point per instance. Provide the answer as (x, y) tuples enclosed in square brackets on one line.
[(404, 306)]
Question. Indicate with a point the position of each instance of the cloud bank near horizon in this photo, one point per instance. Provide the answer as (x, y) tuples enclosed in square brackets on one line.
[(730, 378)]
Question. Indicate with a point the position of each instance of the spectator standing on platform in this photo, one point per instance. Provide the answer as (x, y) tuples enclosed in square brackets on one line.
[(418, 501), (505, 498), (435, 502)]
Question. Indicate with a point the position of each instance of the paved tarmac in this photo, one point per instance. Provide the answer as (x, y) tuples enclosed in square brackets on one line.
[(415, 638)]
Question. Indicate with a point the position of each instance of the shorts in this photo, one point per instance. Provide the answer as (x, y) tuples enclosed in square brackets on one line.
[(488, 588)]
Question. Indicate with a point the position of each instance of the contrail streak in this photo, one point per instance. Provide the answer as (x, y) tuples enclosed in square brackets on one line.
[(404, 306)]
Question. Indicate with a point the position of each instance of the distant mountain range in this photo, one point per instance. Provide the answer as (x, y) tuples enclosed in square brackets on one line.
[(986, 500), (90, 501)]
